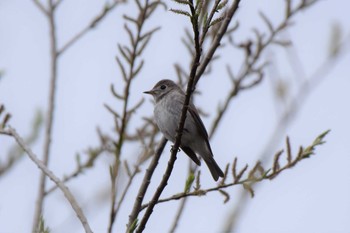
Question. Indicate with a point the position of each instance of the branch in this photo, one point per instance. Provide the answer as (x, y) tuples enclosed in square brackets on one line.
[(144, 186), (256, 174), (41, 7), (138, 42), (94, 23), (93, 155), (175, 148), (69, 196), (215, 44), (49, 115), (16, 153), (216, 41)]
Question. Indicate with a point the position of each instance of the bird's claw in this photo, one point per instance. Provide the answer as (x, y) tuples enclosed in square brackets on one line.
[(172, 147)]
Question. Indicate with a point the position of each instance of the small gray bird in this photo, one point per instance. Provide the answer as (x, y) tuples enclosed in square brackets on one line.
[(169, 100)]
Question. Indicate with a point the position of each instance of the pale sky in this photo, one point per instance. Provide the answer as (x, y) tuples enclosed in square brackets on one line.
[(312, 197)]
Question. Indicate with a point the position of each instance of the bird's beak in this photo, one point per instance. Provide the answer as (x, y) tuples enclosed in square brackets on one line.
[(151, 92)]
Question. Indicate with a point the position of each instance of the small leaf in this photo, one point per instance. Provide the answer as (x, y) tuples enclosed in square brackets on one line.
[(335, 40), (42, 228), (185, 2), (276, 165), (226, 195), (215, 21), (78, 159), (249, 188), (198, 181), (181, 12), (283, 43), (189, 182), (319, 139), (222, 5)]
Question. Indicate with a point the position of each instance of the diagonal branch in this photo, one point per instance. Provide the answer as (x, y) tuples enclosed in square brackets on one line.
[(42, 166), (41, 7), (145, 183), (94, 22)]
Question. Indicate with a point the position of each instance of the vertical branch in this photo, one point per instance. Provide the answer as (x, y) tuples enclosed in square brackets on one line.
[(209, 55), (138, 41), (175, 148), (49, 114)]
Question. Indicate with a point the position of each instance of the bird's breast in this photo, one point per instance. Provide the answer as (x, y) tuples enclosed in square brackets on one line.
[(166, 118)]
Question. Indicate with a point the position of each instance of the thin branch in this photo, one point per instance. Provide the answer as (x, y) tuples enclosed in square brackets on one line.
[(130, 55), (178, 215), (175, 148), (94, 23), (255, 175), (145, 183), (217, 39), (79, 170), (205, 62), (126, 189), (69, 196), (41, 7), (305, 90), (290, 113), (208, 21), (16, 153), (49, 116)]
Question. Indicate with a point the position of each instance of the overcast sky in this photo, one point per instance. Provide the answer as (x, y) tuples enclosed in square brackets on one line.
[(312, 197)]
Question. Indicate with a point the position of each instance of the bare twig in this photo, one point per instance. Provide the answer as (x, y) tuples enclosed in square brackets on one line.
[(178, 215), (94, 23), (292, 109), (81, 167), (145, 183), (69, 196), (55, 52), (41, 7), (138, 42), (255, 175), (125, 191), (216, 41), (16, 153), (209, 56), (49, 115), (174, 151)]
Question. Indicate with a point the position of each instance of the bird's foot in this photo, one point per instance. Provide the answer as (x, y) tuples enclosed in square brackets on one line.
[(172, 147)]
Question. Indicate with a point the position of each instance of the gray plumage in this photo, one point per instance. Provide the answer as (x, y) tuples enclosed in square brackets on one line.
[(169, 99)]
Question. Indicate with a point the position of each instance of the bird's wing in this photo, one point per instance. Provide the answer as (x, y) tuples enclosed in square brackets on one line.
[(199, 124), (191, 154)]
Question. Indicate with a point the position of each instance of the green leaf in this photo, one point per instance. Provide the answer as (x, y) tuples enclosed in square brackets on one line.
[(189, 182), (42, 228), (319, 139)]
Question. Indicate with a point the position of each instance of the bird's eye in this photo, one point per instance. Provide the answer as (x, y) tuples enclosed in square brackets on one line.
[(162, 87)]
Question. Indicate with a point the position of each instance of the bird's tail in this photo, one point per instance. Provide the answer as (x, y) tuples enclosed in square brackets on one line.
[(214, 168)]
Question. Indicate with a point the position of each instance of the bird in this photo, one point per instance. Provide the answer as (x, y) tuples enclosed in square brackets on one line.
[(169, 100)]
